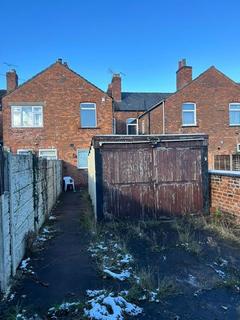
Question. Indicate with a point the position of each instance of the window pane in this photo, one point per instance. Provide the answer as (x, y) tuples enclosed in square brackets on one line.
[(131, 120), (88, 106), (37, 120), (16, 117), (83, 158), (88, 118), (27, 116), (188, 107), (234, 107), (132, 129), (188, 118), (235, 117), (48, 154)]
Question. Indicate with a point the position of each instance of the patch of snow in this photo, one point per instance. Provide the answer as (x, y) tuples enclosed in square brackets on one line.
[(126, 259), (218, 271), (110, 308), (94, 293), (24, 264), (52, 218), (125, 274)]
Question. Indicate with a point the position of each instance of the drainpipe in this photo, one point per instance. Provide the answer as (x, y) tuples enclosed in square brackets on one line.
[(163, 117)]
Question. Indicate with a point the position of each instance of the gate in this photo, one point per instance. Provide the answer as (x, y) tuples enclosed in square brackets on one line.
[(151, 176)]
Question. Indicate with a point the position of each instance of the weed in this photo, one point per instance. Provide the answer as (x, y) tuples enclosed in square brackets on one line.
[(146, 278), (186, 236), (29, 242), (166, 288), (87, 219), (13, 312)]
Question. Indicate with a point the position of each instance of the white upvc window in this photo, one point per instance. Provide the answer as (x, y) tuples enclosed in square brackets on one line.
[(27, 116), (24, 152), (234, 114), (88, 115), (49, 154), (189, 114), (82, 158), (132, 126)]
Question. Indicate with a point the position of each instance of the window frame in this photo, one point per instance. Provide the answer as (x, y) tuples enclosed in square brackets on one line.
[(194, 111), (87, 108), (28, 106), (81, 149), (132, 124), (19, 151), (44, 150), (238, 110)]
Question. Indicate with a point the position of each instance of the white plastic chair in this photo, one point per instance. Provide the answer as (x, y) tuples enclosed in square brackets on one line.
[(68, 181)]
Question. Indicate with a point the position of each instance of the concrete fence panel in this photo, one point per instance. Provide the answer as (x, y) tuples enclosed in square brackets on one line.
[(32, 186)]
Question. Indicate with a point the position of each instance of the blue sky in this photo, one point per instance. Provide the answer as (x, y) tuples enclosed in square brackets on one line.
[(142, 39)]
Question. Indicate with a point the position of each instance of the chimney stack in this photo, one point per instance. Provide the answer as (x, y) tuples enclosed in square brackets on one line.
[(12, 80), (184, 74), (115, 87)]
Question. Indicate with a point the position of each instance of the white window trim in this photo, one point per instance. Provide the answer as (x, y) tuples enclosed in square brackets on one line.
[(81, 149), (24, 150), (232, 104), (88, 108), (195, 115), (132, 124), (46, 150), (20, 106)]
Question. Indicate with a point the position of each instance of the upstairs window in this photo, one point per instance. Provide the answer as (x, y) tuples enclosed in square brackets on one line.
[(82, 158), (234, 114), (132, 126), (49, 154), (189, 117), (24, 152), (88, 115), (27, 116)]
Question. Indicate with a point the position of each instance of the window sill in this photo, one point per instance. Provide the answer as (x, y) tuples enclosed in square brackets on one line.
[(190, 126), (89, 128), (27, 127), (234, 125)]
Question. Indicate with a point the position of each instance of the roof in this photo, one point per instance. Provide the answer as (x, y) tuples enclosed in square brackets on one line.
[(139, 101), (187, 85), (2, 93), (49, 67)]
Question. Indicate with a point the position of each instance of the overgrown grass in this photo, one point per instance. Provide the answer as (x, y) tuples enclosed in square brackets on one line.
[(87, 219), (225, 226), (187, 236), (167, 287)]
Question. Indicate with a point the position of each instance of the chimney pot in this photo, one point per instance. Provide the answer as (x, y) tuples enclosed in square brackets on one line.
[(59, 60), (65, 64), (12, 80)]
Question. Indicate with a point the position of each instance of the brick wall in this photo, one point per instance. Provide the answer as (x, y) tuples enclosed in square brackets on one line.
[(121, 117), (60, 91), (32, 186), (212, 92), (225, 191)]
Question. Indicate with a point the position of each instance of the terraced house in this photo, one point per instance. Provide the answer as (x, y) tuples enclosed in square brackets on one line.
[(207, 104), (55, 114)]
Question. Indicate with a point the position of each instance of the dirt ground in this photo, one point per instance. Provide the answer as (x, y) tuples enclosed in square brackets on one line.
[(182, 268)]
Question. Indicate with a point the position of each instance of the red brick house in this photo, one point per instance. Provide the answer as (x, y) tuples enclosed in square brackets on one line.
[(208, 104), (55, 114), (128, 106)]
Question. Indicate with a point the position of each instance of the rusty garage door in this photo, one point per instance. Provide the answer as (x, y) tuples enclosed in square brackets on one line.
[(151, 176)]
